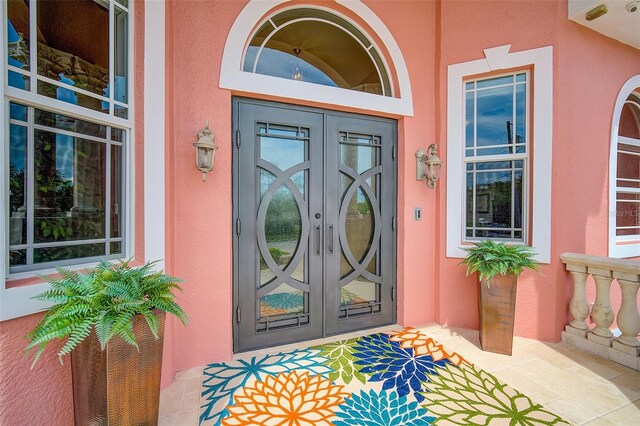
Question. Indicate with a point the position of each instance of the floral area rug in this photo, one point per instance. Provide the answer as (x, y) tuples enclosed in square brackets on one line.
[(386, 379)]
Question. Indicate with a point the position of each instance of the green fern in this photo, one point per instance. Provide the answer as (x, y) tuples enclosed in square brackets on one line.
[(490, 258), (106, 300)]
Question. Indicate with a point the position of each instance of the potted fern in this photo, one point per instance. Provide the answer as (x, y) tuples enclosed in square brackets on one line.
[(111, 320), (498, 266)]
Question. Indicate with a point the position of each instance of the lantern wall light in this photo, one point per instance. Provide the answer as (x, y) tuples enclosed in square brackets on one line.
[(205, 151), (428, 166)]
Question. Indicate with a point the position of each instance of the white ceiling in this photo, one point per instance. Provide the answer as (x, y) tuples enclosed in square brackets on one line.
[(617, 23)]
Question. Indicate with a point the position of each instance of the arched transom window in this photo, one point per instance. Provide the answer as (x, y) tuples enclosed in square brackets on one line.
[(628, 171), (317, 47)]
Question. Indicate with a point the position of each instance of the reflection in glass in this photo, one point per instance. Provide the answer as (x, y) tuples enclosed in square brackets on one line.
[(18, 34), (494, 195), (19, 81), (358, 157), (69, 96), (281, 152), (121, 56), (494, 113), (70, 184), (628, 170), (283, 226), (282, 300), (51, 254), (117, 180), (317, 47), (63, 122), (17, 185), (359, 225), (359, 291), (76, 53)]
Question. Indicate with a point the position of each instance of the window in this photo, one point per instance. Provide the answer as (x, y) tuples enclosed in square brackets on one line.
[(494, 188), (67, 114), (627, 192), (496, 158), (317, 47)]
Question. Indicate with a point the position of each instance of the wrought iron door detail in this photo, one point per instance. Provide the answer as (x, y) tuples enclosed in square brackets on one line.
[(282, 226), (360, 224)]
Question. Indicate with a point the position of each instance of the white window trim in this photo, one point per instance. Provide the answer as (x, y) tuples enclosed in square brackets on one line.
[(232, 77), (499, 58), (16, 302), (626, 249)]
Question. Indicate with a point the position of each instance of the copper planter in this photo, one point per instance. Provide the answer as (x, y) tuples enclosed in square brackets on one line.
[(118, 386), (497, 308)]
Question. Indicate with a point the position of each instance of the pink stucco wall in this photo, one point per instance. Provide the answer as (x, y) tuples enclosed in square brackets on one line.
[(589, 70)]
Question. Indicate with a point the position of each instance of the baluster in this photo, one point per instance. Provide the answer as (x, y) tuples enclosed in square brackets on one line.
[(628, 316), (602, 312), (579, 306)]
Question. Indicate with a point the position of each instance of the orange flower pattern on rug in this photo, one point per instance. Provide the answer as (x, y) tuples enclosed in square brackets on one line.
[(290, 399), (410, 337)]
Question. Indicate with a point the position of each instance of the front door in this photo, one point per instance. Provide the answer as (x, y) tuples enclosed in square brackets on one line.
[(314, 211)]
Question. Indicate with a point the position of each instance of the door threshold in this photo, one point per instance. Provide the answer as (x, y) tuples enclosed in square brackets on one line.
[(314, 342)]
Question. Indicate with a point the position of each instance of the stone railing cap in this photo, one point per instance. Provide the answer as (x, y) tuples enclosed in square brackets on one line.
[(601, 262)]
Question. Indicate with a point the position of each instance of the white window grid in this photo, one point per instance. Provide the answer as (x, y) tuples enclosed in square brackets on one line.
[(31, 98), (628, 190), (513, 157)]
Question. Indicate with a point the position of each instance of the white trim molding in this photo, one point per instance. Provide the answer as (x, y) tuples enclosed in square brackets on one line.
[(499, 58), (154, 131), (232, 76), (626, 249)]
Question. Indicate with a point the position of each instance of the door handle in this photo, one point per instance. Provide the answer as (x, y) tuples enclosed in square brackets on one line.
[(330, 238), (317, 239)]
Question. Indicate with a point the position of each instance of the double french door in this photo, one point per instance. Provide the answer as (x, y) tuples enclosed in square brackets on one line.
[(314, 211)]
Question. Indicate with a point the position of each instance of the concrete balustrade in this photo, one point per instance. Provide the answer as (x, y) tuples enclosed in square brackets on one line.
[(600, 340)]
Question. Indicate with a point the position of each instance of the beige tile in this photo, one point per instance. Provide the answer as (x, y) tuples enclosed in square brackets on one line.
[(191, 372), (489, 361), (553, 354), (537, 393), (600, 366), (171, 398), (192, 384), (627, 415), (190, 401), (629, 380), (571, 412), (182, 419)]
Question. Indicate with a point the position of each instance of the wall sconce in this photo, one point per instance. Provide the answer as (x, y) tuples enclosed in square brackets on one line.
[(205, 151), (428, 166)]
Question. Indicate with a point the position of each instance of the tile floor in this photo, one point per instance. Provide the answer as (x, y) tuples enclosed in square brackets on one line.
[(580, 387)]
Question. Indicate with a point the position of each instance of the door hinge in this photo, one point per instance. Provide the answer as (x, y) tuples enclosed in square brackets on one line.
[(238, 227), (393, 153), (393, 294), (238, 314), (238, 138), (393, 223)]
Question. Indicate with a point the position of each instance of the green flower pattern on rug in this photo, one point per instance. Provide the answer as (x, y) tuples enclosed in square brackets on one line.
[(341, 361), (467, 395), (409, 380)]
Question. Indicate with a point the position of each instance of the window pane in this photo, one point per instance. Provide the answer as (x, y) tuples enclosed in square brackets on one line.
[(494, 115), (121, 59), (628, 172), (17, 257), (630, 118), (18, 34), (627, 214), (469, 121), (491, 82), (116, 190), (17, 112), (53, 254), (520, 126), (19, 81), (69, 193), (63, 122), (74, 47), (69, 96), (17, 185)]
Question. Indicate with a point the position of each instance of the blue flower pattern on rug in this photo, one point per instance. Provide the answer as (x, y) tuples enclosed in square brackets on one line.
[(381, 409), (398, 368)]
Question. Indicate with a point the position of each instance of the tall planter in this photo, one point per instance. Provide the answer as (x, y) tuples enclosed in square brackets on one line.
[(496, 308), (120, 385)]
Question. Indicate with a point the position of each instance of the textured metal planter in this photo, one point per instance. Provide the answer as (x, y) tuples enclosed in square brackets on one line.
[(497, 308), (118, 386)]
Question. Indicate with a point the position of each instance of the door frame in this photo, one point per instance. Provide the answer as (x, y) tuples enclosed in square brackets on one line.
[(235, 138)]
